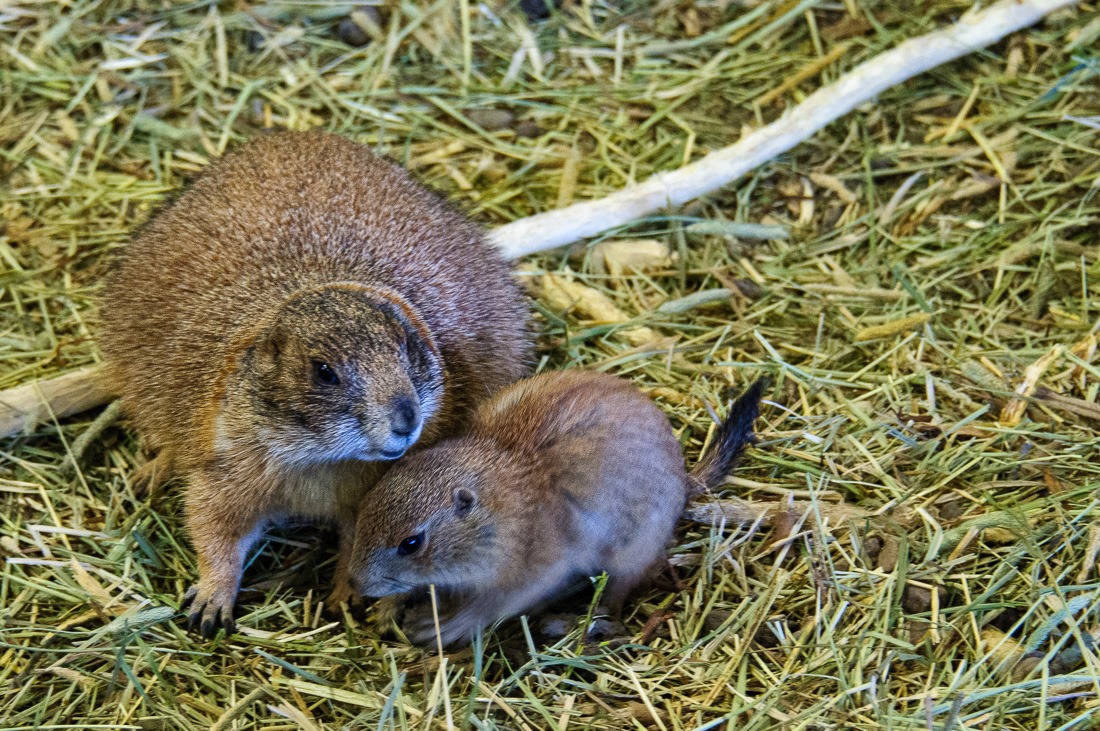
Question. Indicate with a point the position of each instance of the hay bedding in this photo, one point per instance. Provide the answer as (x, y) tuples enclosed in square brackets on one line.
[(913, 545)]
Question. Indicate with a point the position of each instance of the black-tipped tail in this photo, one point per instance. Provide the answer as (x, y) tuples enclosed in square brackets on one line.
[(733, 435)]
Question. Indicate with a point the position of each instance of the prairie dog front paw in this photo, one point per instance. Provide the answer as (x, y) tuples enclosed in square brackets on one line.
[(211, 608)]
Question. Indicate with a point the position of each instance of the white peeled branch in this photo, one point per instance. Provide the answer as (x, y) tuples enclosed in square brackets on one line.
[(71, 393), (913, 57)]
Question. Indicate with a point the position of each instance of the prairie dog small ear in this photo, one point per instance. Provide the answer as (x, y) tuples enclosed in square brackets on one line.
[(465, 500), (418, 337), (270, 345), (421, 350)]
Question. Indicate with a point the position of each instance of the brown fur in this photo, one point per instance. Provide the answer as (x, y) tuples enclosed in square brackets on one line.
[(565, 474), (301, 247)]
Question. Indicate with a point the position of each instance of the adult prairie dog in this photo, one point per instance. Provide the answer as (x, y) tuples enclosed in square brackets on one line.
[(565, 474), (302, 313)]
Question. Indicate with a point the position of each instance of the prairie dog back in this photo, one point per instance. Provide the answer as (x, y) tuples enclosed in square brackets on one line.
[(607, 450)]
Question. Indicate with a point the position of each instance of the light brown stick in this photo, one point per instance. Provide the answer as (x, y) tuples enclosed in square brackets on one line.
[(27, 405)]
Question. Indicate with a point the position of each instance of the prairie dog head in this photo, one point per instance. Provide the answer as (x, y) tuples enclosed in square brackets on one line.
[(431, 521), (342, 372)]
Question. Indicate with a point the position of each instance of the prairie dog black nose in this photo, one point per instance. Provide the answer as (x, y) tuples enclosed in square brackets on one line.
[(405, 416)]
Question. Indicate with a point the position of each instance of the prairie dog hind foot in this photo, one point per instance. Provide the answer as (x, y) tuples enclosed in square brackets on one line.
[(147, 480)]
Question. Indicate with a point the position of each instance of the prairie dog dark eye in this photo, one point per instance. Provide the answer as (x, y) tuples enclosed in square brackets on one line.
[(325, 374), (410, 545)]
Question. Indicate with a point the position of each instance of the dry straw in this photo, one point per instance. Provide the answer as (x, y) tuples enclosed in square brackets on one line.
[(913, 544)]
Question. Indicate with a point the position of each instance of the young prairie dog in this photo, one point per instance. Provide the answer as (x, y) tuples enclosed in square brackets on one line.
[(566, 474), (302, 313)]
